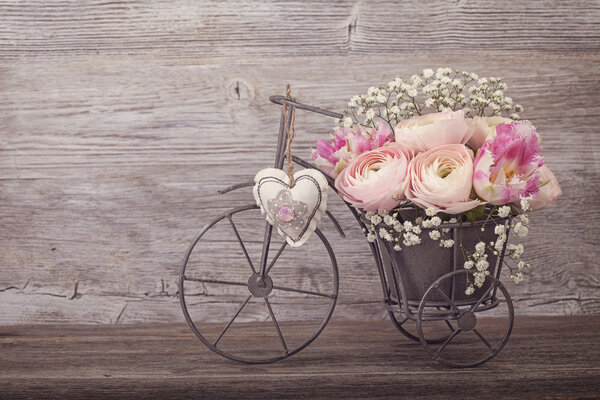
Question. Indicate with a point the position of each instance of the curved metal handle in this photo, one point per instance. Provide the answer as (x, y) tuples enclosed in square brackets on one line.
[(282, 99)]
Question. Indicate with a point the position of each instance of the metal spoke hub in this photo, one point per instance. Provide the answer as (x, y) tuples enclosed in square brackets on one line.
[(467, 321), (260, 287)]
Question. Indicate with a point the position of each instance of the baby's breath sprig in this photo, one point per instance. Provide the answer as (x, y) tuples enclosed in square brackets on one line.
[(443, 90)]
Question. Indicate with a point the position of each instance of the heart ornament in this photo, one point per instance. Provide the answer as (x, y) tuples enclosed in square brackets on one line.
[(295, 211)]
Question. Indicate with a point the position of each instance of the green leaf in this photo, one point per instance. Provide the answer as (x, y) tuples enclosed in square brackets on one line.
[(476, 213)]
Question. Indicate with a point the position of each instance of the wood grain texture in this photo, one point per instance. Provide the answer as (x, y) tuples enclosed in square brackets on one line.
[(120, 120), (546, 357)]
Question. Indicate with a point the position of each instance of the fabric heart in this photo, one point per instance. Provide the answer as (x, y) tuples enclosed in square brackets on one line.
[(295, 211)]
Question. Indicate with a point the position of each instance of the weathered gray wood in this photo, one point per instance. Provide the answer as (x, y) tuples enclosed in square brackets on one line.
[(119, 121), (547, 357)]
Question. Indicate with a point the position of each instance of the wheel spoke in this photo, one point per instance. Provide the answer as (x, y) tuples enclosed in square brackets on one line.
[(266, 245), (232, 319), (237, 235), (452, 336), (274, 260), (482, 297), (276, 325), (286, 289), (220, 282), (444, 295), (482, 338), (449, 325), (446, 321)]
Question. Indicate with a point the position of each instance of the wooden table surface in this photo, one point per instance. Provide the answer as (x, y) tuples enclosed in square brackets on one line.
[(546, 357)]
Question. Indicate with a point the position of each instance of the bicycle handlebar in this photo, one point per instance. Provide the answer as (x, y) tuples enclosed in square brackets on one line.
[(284, 100)]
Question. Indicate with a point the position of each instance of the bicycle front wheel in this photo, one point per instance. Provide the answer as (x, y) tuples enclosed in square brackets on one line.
[(242, 317)]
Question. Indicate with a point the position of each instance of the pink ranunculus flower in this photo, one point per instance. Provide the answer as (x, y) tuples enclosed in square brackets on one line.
[(549, 190), (442, 178), (347, 143), (376, 179), (507, 165), (427, 131), (482, 128)]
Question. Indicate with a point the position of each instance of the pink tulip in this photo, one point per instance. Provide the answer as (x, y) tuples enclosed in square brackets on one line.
[(442, 178), (376, 180), (332, 157), (428, 131), (506, 167), (324, 156), (549, 190), (482, 128)]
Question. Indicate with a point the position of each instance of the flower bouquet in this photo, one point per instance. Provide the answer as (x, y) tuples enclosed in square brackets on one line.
[(441, 150)]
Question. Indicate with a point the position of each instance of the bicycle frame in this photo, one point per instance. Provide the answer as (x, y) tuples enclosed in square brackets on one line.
[(410, 279)]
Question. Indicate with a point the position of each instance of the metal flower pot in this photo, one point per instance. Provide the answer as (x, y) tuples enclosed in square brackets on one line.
[(414, 268)]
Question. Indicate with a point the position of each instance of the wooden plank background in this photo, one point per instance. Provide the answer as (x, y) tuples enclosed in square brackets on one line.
[(119, 121)]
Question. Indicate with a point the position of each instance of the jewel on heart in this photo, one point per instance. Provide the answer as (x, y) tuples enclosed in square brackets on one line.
[(288, 212), (295, 211)]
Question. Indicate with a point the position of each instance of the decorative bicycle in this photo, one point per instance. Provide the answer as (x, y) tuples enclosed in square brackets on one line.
[(425, 285)]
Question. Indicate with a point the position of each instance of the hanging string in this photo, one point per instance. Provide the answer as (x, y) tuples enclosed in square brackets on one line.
[(290, 131)]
